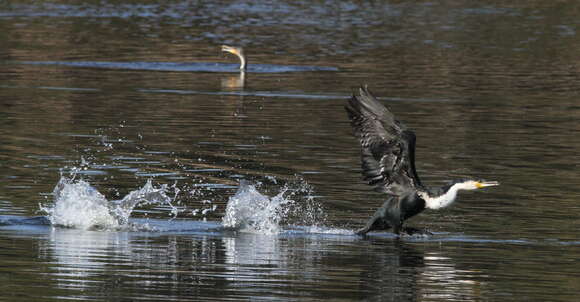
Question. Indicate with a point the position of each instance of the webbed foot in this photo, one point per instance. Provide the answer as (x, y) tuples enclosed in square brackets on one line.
[(362, 232)]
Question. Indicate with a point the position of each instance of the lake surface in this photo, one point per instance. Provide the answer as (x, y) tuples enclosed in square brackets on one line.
[(138, 163)]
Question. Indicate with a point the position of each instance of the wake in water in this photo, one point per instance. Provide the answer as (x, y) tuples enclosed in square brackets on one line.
[(185, 66)]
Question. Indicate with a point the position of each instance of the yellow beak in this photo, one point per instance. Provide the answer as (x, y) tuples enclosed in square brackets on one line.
[(230, 49), (483, 184)]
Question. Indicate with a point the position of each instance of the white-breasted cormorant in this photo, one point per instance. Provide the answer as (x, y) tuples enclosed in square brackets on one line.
[(388, 164), (239, 52)]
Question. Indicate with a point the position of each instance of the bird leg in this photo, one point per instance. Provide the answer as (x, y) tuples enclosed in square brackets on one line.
[(377, 222), (368, 227), (382, 219), (363, 231)]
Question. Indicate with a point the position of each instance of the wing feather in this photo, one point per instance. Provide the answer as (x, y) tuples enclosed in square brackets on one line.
[(387, 146)]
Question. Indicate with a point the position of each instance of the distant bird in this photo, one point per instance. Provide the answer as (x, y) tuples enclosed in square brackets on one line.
[(238, 51), (388, 164)]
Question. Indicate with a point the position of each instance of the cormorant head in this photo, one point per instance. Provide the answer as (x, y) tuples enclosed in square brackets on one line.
[(447, 195), (238, 51), (470, 184)]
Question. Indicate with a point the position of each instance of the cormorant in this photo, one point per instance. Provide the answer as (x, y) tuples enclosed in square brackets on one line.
[(238, 51), (388, 164)]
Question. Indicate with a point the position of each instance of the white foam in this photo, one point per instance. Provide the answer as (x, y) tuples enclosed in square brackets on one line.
[(250, 211), (78, 205)]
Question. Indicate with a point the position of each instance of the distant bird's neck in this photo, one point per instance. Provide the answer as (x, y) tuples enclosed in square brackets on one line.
[(243, 62), (440, 199)]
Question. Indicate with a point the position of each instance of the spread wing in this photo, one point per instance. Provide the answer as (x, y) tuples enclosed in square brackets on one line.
[(387, 147)]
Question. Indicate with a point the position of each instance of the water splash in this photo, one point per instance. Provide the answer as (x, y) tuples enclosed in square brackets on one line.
[(78, 205), (250, 211)]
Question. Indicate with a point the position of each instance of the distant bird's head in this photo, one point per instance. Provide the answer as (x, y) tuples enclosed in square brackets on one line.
[(239, 52)]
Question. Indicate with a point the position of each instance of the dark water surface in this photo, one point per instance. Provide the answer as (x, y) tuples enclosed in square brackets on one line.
[(115, 94)]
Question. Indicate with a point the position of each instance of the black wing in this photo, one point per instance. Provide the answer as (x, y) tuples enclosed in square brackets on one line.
[(387, 147)]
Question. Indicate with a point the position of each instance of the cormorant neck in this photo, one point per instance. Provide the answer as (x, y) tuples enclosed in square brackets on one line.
[(441, 199)]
